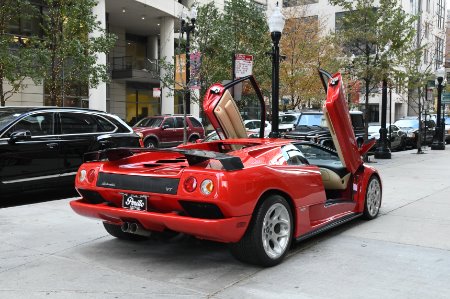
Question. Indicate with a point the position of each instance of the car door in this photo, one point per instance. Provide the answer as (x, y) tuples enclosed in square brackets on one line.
[(30, 158), (78, 136), (337, 114), (167, 131), (178, 130), (394, 136)]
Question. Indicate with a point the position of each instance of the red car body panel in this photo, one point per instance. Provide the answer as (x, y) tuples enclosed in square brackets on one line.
[(236, 192)]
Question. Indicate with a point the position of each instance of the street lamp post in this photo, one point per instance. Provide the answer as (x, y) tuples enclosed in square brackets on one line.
[(188, 26), (276, 24), (438, 142), (383, 152)]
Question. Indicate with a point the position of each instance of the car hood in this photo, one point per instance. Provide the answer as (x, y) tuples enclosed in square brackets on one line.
[(338, 117)]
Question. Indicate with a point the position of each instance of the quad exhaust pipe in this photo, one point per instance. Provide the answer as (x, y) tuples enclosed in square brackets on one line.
[(135, 228)]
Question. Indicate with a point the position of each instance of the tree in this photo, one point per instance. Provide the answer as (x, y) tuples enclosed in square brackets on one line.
[(70, 51), (306, 49), (240, 29), (379, 37), (17, 53)]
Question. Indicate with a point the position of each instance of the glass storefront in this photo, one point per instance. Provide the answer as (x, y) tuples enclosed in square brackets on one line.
[(140, 102)]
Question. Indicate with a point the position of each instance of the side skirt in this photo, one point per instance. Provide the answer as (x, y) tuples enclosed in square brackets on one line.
[(328, 226)]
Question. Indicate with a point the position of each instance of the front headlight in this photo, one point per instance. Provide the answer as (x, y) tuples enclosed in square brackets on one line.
[(410, 134)]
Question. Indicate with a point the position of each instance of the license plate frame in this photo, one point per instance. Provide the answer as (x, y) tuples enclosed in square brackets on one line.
[(135, 202)]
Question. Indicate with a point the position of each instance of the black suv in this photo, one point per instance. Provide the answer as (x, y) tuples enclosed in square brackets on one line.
[(312, 126), (44, 146)]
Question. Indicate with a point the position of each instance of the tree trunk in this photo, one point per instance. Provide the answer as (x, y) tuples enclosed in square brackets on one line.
[(2, 95)]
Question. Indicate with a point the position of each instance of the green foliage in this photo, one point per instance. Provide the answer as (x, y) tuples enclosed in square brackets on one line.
[(18, 56), (306, 48), (380, 37), (240, 29), (70, 52)]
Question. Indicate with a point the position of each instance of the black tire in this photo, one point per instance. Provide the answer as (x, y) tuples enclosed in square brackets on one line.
[(115, 231), (257, 245), (372, 200), (150, 143)]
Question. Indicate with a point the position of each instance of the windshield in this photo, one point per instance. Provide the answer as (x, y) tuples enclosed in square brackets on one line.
[(6, 117), (407, 123), (374, 129), (153, 122), (287, 119), (310, 120)]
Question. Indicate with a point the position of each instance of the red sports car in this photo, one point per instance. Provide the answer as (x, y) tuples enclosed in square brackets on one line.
[(256, 194)]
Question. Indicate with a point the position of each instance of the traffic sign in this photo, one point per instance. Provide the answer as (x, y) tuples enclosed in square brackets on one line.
[(243, 65)]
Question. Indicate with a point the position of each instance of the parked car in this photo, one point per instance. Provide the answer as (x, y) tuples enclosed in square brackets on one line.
[(167, 130), (396, 137), (253, 125), (313, 126), (256, 194), (410, 125), (44, 146), (287, 121)]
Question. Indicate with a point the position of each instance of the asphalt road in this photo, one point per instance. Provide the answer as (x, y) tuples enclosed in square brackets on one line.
[(47, 251)]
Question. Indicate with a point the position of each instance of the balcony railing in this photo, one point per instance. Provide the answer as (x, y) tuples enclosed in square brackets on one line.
[(129, 67)]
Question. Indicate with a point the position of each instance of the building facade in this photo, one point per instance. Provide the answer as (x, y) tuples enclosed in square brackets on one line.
[(431, 32), (145, 32)]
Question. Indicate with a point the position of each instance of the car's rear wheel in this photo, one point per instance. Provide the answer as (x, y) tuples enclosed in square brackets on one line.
[(269, 235), (115, 231), (372, 202), (150, 143)]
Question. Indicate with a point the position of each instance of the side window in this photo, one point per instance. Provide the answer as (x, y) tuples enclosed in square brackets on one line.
[(77, 123), (357, 121), (104, 125), (179, 122), (293, 156), (257, 124), (169, 122), (195, 122), (39, 124)]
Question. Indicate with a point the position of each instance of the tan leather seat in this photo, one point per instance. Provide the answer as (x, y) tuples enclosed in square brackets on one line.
[(229, 117)]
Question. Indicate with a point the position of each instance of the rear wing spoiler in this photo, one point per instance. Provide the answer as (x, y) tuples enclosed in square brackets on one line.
[(193, 157)]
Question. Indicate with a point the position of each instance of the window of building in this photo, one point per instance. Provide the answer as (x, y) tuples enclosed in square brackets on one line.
[(440, 13), (291, 3), (425, 56), (428, 5), (427, 30), (439, 54)]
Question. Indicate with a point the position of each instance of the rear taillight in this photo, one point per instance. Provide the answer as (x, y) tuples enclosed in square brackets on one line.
[(190, 184), (91, 176), (207, 187)]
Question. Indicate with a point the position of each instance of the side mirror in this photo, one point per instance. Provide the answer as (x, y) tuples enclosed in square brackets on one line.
[(165, 127), (20, 135)]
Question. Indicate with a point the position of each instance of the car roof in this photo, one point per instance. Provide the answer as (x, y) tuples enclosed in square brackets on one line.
[(26, 109)]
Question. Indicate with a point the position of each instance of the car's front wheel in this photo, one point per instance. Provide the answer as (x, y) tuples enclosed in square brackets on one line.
[(116, 231), (269, 235), (372, 202)]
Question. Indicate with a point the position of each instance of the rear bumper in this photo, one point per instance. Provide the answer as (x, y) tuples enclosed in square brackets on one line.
[(223, 230)]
